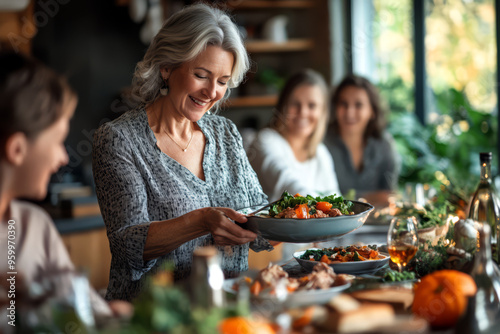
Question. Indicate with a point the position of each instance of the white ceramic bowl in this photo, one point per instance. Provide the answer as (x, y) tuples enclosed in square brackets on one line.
[(295, 299)]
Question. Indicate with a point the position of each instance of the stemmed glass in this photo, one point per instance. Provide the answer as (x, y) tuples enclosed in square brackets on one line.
[(58, 300), (402, 240)]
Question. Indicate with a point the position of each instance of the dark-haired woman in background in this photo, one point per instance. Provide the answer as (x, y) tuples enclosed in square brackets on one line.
[(364, 153)]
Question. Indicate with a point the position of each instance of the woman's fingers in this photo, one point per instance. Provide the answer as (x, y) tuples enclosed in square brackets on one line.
[(235, 233), (221, 241), (234, 215), (226, 231)]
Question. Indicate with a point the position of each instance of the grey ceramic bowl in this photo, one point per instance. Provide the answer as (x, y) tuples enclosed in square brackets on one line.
[(309, 230), (358, 267)]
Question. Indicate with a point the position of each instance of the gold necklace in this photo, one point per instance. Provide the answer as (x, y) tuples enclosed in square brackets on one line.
[(176, 143), (169, 136)]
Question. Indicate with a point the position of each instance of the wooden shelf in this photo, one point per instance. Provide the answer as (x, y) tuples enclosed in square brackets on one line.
[(259, 4), (292, 45), (252, 101)]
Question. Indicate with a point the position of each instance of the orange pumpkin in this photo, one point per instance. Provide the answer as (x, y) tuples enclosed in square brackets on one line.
[(441, 297), (241, 325), (460, 279)]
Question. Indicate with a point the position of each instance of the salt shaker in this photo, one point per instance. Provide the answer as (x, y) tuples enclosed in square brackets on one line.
[(207, 278)]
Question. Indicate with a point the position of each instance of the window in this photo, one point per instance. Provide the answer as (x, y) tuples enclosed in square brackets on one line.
[(460, 48), (458, 111)]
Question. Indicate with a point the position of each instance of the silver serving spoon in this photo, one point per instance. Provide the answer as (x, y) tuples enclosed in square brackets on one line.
[(264, 207)]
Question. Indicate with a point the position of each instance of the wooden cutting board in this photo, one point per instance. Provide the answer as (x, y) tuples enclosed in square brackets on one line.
[(399, 298)]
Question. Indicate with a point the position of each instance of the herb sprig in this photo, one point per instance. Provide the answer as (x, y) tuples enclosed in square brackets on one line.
[(428, 216)]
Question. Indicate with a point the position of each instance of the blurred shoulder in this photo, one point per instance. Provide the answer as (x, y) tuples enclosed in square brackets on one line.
[(386, 141), (26, 212), (322, 151), (268, 136)]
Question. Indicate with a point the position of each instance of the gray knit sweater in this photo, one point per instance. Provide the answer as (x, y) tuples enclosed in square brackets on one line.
[(137, 183)]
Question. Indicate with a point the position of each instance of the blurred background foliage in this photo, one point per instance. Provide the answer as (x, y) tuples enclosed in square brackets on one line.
[(461, 118)]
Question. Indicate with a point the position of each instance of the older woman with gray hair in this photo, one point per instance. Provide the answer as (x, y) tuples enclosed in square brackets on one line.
[(169, 174)]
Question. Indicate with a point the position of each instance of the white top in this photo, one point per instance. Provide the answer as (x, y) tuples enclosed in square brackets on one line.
[(273, 160)]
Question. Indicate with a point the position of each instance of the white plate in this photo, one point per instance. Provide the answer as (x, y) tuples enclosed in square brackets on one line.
[(356, 267), (308, 230), (294, 299)]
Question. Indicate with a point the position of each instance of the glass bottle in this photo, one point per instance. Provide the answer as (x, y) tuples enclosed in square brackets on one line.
[(485, 205), (207, 279), (483, 309)]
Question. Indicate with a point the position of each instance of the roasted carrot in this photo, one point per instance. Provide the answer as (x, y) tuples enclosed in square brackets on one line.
[(324, 206), (324, 259), (302, 211), (373, 254), (255, 288), (305, 319)]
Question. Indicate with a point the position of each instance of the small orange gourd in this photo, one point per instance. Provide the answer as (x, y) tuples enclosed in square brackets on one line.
[(241, 325), (441, 297)]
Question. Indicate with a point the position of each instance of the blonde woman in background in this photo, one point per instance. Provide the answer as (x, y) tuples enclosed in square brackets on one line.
[(290, 155)]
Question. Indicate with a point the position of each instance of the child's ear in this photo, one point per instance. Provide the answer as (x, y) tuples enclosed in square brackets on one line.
[(16, 148)]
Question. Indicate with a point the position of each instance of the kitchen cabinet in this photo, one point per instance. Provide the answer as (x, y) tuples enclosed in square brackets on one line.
[(89, 250), (17, 28)]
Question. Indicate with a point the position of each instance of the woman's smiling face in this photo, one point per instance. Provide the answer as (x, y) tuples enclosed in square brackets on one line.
[(353, 110), (304, 107), (195, 86), (44, 156)]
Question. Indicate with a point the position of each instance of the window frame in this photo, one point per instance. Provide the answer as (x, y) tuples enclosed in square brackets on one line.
[(343, 61)]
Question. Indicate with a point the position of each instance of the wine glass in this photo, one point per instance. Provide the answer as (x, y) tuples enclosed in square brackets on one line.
[(402, 240)]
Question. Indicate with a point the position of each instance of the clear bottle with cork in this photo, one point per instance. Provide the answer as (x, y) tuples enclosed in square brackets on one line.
[(485, 204)]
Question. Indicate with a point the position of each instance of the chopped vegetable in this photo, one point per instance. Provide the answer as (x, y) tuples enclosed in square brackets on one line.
[(342, 254), (325, 259), (302, 211), (325, 204), (396, 276), (255, 288)]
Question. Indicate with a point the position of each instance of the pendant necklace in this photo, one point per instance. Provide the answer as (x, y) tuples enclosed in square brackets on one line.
[(176, 143)]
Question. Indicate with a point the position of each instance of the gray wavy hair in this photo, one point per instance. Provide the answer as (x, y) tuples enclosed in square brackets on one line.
[(182, 38)]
